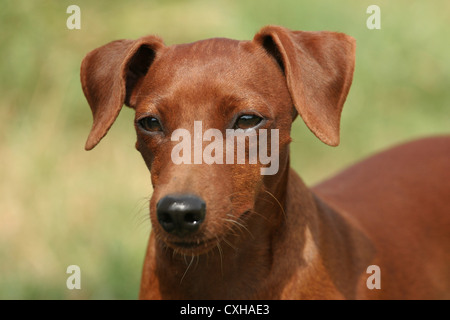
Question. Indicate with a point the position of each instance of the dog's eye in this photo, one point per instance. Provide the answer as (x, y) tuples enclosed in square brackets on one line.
[(247, 121), (150, 124)]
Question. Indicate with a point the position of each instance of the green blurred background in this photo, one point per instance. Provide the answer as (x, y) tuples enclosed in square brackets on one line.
[(61, 205)]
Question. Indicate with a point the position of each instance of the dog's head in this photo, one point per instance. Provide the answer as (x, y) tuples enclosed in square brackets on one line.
[(213, 119)]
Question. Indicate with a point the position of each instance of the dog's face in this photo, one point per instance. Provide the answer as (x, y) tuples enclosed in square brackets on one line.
[(194, 101), (217, 84)]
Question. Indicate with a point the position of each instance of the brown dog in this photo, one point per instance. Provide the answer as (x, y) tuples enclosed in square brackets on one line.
[(380, 229)]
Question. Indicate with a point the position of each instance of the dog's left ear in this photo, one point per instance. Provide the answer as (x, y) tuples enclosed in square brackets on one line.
[(318, 67)]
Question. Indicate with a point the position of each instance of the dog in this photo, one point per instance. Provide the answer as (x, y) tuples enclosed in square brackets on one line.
[(378, 230)]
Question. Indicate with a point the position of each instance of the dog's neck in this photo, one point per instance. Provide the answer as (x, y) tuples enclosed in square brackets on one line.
[(254, 257), (244, 260)]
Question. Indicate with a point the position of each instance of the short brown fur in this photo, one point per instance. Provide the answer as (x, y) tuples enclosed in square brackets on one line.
[(272, 237)]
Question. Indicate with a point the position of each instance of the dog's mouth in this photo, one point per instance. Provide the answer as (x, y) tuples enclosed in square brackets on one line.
[(197, 246), (193, 244)]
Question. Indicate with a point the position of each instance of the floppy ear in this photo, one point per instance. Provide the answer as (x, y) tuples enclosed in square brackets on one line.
[(318, 67), (109, 75)]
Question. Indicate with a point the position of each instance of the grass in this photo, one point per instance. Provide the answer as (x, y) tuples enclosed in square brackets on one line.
[(60, 205)]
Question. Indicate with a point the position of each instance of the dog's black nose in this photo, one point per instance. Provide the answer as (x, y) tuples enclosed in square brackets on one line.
[(182, 214)]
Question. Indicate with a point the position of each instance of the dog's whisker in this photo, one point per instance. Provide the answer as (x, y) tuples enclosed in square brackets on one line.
[(277, 201), (141, 213), (196, 263), (260, 215), (221, 256), (228, 243), (143, 221), (189, 265), (240, 225), (174, 253), (231, 230)]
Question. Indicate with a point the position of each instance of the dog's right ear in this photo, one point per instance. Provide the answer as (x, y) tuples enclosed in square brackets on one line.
[(110, 74)]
